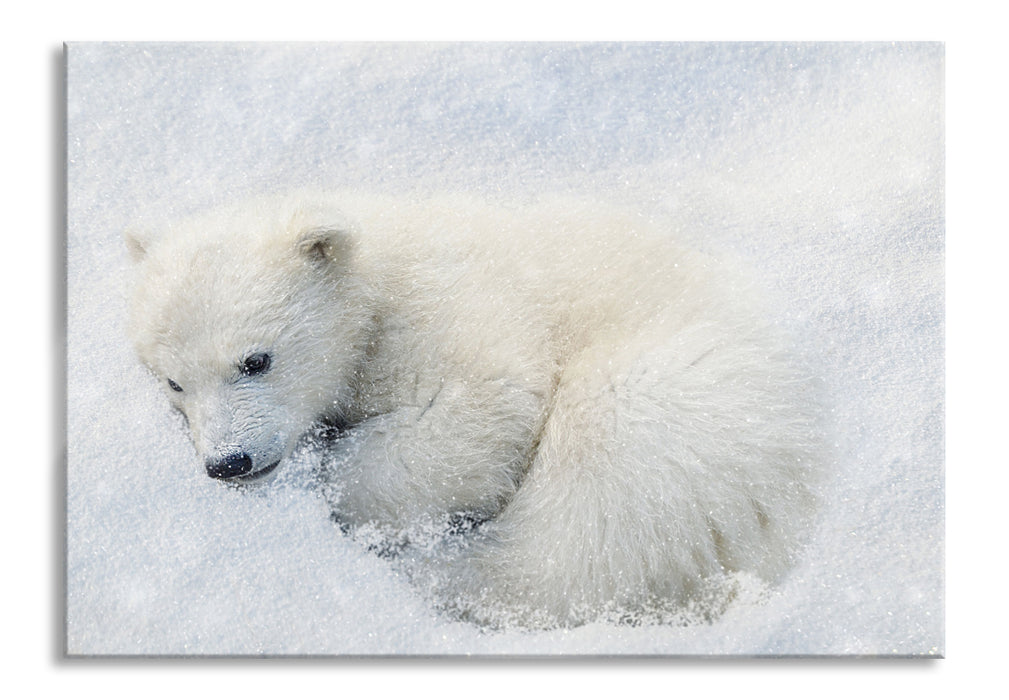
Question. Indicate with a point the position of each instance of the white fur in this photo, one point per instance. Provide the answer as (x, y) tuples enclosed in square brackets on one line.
[(616, 406)]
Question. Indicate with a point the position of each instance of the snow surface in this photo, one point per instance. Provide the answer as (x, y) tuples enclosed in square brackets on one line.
[(821, 164)]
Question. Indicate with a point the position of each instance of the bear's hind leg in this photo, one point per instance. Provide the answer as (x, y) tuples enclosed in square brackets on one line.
[(657, 470)]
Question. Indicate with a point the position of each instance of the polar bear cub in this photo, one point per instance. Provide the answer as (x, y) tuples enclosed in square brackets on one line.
[(613, 410)]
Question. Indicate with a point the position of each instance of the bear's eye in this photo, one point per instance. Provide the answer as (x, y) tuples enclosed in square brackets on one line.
[(175, 387), (256, 364)]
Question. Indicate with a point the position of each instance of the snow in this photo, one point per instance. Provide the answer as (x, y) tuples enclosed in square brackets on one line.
[(820, 164)]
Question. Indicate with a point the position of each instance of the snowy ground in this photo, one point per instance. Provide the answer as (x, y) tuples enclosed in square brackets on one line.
[(823, 165)]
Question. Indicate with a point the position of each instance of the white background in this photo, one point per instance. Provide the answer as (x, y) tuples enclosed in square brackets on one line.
[(33, 520)]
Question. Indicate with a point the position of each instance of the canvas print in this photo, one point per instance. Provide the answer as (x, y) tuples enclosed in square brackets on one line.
[(505, 349)]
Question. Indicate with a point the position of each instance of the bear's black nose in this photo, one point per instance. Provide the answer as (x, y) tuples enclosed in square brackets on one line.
[(229, 466)]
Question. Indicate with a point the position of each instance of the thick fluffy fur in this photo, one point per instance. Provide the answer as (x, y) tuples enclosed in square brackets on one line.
[(614, 407)]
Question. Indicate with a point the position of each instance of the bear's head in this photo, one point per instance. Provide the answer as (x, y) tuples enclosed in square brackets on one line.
[(253, 321)]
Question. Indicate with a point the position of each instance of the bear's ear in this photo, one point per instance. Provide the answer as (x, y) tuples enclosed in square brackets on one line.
[(322, 232), (325, 244), (137, 243)]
